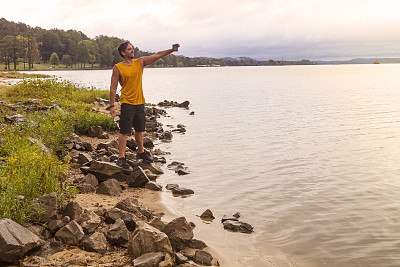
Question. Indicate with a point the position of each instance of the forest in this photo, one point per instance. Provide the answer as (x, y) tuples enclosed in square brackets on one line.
[(26, 45)]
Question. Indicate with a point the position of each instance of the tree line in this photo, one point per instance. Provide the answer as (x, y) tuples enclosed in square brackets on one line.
[(21, 43)]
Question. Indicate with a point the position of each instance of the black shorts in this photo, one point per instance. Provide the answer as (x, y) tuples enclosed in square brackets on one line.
[(132, 115)]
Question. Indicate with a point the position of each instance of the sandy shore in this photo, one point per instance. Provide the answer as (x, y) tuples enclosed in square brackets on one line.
[(7, 81)]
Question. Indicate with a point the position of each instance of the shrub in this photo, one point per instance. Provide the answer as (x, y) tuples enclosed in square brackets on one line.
[(26, 171)]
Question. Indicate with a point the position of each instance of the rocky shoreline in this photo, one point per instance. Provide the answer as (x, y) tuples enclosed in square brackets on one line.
[(106, 224)]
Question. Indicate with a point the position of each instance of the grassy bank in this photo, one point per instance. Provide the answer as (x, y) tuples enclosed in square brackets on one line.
[(45, 66), (26, 172)]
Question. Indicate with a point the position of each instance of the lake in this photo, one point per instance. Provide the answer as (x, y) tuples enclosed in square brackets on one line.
[(309, 155)]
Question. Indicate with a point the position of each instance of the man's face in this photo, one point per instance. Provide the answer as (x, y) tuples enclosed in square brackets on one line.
[(129, 52)]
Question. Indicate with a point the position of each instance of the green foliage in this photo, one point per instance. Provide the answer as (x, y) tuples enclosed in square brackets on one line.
[(54, 59), (66, 60), (26, 171)]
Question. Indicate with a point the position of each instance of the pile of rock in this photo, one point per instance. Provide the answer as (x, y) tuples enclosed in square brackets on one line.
[(166, 103), (148, 240)]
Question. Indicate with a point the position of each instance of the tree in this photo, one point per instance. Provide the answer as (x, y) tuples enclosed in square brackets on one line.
[(13, 49), (32, 51), (54, 59), (66, 60), (49, 43)]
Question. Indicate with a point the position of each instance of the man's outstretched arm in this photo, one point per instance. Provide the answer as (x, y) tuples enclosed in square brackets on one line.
[(145, 61)]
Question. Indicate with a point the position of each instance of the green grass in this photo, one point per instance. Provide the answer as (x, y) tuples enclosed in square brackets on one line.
[(24, 168), (45, 66), (20, 75)]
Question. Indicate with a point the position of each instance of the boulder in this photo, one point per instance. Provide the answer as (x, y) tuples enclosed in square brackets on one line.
[(228, 218), (103, 135), (73, 210), (71, 234), (16, 241), (56, 225), (45, 208), (112, 215), (108, 145), (157, 223), (154, 168), (86, 146), (131, 143), (106, 170), (83, 158), (42, 146), (184, 104), (207, 215), (90, 179), (196, 244), (128, 204), (118, 234), (85, 188), (95, 131), (167, 135), (238, 226), (171, 186), (15, 118), (147, 143), (146, 239), (110, 187), (153, 186), (191, 113), (90, 221), (167, 262), (179, 233), (203, 257), (96, 242), (149, 260), (182, 191), (180, 259), (40, 231), (138, 178)]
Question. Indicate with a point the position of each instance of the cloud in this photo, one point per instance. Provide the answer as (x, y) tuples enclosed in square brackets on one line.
[(257, 28)]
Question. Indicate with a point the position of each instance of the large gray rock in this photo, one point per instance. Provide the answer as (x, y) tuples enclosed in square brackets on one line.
[(15, 118), (73, 210), (83, 158), (179, 233), (42, 146), (95, 131), (238, 226), (90, 221), (128, 204), (153, 186), (107, 170), (207, 215), (16, 240), (56, 225), (110, 187), (182, 191), (108, 145), (147, 142), (138, 178), (146, 239), (203, 257), (130, 219), (96, 242), (118, 234), (71, 234), (149, 260), (153, 167), (90, 179), (45, 208)]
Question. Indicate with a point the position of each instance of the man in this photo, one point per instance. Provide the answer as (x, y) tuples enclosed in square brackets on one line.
[(129, 74)]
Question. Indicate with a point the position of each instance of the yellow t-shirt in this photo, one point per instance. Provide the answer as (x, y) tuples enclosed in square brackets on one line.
[(131, 91)]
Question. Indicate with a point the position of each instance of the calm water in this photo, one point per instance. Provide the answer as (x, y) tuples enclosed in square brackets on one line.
[(309, 155)]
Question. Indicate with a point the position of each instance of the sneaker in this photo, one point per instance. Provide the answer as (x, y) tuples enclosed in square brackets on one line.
[(122, 163), (144, 157)]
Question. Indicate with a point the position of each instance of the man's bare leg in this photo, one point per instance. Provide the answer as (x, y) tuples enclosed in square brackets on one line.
[(139, 141), (122, 145)]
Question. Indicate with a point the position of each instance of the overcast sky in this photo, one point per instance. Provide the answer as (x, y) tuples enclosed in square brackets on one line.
[(262, 29)]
